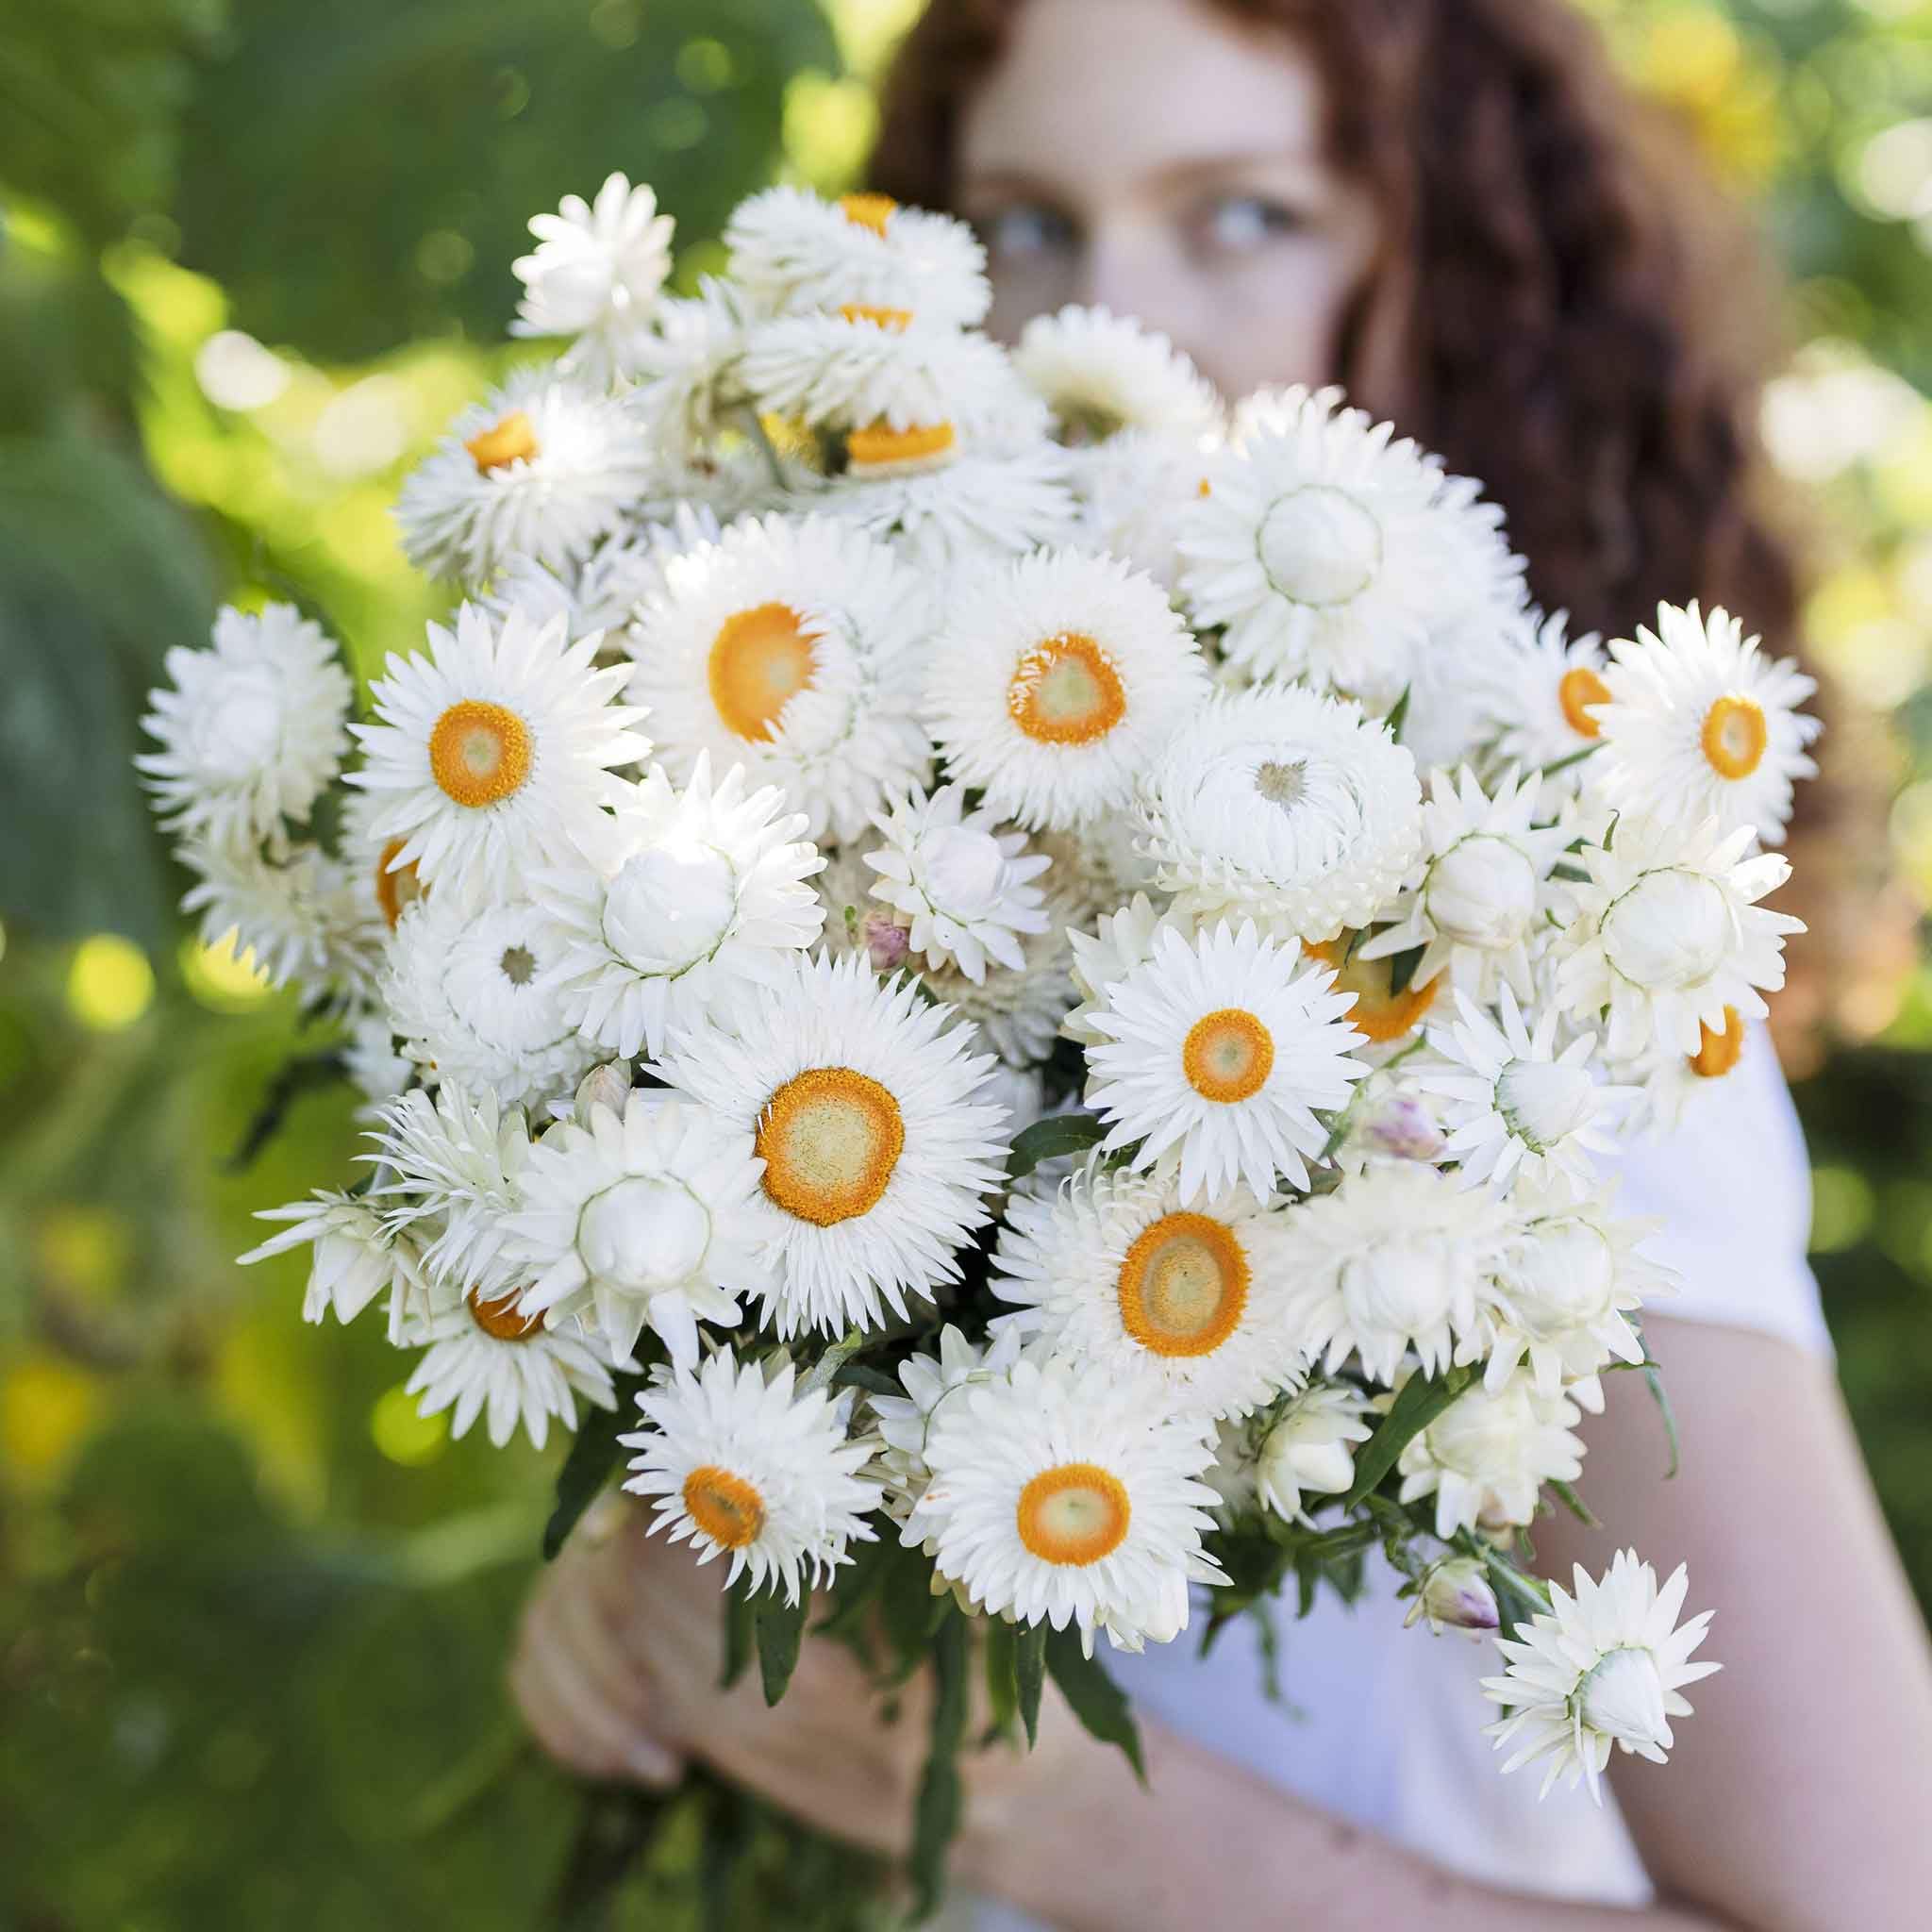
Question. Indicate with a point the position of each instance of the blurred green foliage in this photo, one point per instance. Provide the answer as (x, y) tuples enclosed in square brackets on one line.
[(253, 1611)]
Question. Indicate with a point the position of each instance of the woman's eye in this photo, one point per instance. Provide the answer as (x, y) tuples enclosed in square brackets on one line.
[(1019, 234), (1235, 223)]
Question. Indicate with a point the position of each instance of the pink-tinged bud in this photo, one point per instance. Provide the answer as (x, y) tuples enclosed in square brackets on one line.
[(605, 1086), (1403, 1126), (1455, 1594), (888, 944)]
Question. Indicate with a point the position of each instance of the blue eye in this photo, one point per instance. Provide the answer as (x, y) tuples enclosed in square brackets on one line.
[(1016, 234), (1241, 223)]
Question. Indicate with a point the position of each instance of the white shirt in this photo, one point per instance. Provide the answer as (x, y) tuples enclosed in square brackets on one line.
[(1382, 1725)]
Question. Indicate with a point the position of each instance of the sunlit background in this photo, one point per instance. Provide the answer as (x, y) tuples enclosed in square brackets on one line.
[(255, 254)]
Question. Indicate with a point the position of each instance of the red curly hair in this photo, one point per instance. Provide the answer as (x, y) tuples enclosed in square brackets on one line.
[(1560, 307)]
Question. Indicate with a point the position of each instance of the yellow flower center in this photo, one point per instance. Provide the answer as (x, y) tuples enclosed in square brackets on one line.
[(1076, 1514), (1734, 737), (1379, 1012), (760, 660), (868, 210), (727, 1508), (880, 447), (398, 889), (1183, 1286), (479, 753), (511, 440), (829, 1140), (1578, 689), (1228, 1055), (1718, 1053), (896, 320), (500, 1320), (1065, 690)]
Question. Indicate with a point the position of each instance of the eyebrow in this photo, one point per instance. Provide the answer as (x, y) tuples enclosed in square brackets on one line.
[(1185, 173)]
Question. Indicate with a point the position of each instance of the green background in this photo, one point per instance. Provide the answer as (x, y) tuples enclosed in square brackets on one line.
[(256, 252)]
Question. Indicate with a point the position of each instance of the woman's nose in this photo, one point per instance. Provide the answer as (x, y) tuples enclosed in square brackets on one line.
[(1128, 270)]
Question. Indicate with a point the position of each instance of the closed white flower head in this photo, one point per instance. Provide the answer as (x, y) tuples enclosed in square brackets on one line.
[(1101, 374), (1699, 716), (744, 1465), (253, 729), (357, 1254), (904, 1421), (692, 895), (1058, 1497), (541, 468), (869, 1109), (1309, 1449), (1287, 803), (1668, 938), (492, 754), (795, 648), (1060, 675), (964, 886), (1398, 1258), (1486, 1458), (1220, 1049), (1114, 1269), (1605, 1670), (634, 1217), (595, 275)]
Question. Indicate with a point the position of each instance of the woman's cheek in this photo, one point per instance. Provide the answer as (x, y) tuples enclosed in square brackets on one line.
[(1280, 321)]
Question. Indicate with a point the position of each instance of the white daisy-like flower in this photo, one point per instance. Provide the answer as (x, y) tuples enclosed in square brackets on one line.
[(595, 275), (491, 753), (795, 648), (964, 886), (483, 1357), (1101, 374), (1699, 716), (1480, 904), (1668, 938), (1486, 1456), (867, 1107), (1399, 1257), (1671, 1084), (541, 468), (744, 1465), (693, 894), (1057, 1497), (686, 373), (1132, 490), (472, 994), (1309, 1449), (253, 729), (1018, 1009), (1119, 942), (357, 1254), (1518, 1109), (632, 1218), (1389, 1017), (1060, 675), (793, 253), (602, 592), (1328, 549), (1605, 1670), (1539, 691), (1114, 1268), (1288, 804), (1562, 1298), (1220, 1048), (904, 1421)]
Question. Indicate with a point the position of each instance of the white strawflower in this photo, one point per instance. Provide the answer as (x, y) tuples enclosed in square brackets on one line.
[(1288, 804), (602, 592), (1102, 374), (1486, 1456), (1388, 1019), (595, 275), (1057, 1497), (1605, 1669), (1220, 1049), (1120, 941), (1133, 489), (1399, 1257), (357, 1254), (795, 648), (1668, 937), (1455, 1594), (253, 730), (1018, 1009), (904, 1421), (964, 886), (687, 378), (1310, 1449), (867, 1107), (541, 468), (1481, 904), (1700, 718), (1060, 675), (491, 753), (691, 895), (1671, 1083), (636, 1216), (472, 994), (1540, 692), (1114, 1269), (745, 1465)]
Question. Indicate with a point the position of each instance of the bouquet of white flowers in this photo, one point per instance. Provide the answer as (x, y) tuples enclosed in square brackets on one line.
[(1014, 979)]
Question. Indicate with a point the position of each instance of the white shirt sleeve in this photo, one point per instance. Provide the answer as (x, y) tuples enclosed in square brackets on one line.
[(1732, 1186)]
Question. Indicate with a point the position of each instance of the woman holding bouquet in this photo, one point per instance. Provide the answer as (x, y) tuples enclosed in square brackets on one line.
[(1450, 207)]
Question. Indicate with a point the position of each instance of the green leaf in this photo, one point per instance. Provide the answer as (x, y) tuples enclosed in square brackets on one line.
[(1093, 1696), (1402, 970), (1002, 1687), (1662, 1396), (936, 1812), (1575, 1504), (740, 1617), (1029, 1676), (1064, 1133), (861, 1376), (593, 1456), (1399, 716), (1420, 1401), (781, 1631)]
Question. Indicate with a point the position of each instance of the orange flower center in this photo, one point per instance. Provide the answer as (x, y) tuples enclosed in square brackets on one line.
[(1718, 1053), (760, 660), (1228, 1055), (1379, 1014), (395, 890), (830, 1139), (500, 1320), (1073, 1514), (1576, 690), (1066, 691), (479, 753), (880, 447), (1183, 1286), (896, 320), (511, 440), (868, 210), (1734, 737), (727, 1508)]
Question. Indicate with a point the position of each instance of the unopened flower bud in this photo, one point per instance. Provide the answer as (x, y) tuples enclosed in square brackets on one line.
[(1400, 1124), (605, 1086), (1482, 892), (886, 944), (1624, 1698), (1668, 931), (1455, 1594)]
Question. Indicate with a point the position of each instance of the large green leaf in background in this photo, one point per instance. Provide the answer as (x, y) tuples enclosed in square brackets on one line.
[(359, 171)]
